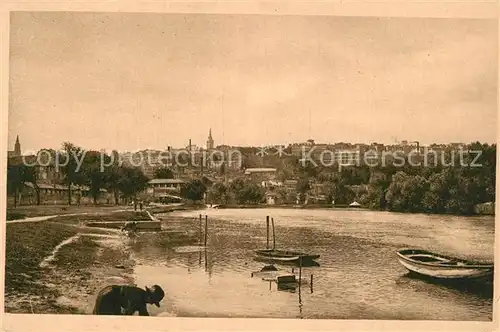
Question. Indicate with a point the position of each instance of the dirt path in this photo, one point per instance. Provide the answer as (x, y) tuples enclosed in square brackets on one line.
[(44, 218)]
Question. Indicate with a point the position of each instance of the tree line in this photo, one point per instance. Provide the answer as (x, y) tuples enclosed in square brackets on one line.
[(123, 181), (452, 183), (455, 186), (454, 189)]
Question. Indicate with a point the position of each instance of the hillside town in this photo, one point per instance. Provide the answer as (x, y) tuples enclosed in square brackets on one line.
[(308, 173)]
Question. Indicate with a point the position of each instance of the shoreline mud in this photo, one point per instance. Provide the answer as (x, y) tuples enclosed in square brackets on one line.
[(60, 266), (62, 278)]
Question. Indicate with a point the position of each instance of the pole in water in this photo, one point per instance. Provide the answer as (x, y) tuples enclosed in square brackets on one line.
[(206, 228), (300, 270), (274, 237), (206, 259), (267, 226), (201, 225), (311, 283)]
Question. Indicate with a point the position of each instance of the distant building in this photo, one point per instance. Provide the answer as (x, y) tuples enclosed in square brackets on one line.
[(298, 149), (49, 185), (350, 157), (210, 140), (164, 187), (148, 160), (261, 174), (271, 198), (271, 184)]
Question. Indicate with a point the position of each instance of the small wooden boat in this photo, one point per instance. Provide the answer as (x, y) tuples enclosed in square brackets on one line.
[(434, 265), (285, 255)]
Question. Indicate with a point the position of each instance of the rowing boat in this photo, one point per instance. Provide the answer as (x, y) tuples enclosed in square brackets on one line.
[(439, 266)]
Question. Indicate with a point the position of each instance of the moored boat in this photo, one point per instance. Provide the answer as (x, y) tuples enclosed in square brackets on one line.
[(439, 266), (283, 256)]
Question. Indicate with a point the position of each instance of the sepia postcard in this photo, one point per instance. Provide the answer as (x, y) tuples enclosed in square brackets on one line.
[(249, 166)]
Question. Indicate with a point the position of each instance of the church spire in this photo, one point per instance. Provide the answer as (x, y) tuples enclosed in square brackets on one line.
[(210, 140), (17, 147)]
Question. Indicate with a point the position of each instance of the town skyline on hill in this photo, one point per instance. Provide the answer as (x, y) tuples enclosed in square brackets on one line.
[(18, 149)]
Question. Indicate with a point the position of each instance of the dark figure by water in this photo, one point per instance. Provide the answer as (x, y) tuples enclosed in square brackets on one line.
[(126, 300)]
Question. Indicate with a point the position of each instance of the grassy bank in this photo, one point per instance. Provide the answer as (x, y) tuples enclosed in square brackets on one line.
[(13, 215), (25, 249), (75, 274)]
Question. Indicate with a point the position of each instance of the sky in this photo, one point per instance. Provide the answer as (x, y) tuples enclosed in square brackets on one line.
[(130, 81)]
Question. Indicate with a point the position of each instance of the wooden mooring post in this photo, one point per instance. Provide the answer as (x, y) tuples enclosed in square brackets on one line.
[(311, 283), (206, 229), (201, 225), (274, 237)]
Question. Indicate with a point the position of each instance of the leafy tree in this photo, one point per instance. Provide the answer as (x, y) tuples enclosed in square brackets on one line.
[(219, 193), (95, 177), (303, 187), (377, 186), (112, 179), (307, 169), (16, 178), (163, 173), (73, 175), (406, 193), (337, 191), (246, 191), (131, 181), (194, 190), (285, 196), (435, 198), (222, 169)]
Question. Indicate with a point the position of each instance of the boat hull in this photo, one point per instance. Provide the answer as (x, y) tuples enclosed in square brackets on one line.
[(444, 267), (285, 256)]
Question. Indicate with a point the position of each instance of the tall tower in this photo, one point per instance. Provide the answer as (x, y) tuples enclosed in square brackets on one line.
[(17, 147), (210, 140)]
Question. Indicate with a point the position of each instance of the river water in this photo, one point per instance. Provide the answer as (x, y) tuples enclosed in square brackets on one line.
[(358, 277)]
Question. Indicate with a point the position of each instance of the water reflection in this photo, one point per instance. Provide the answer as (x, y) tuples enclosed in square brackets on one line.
[(482, 289), (270, 275)]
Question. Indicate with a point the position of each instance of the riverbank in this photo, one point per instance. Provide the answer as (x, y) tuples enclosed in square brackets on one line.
[(60, 267), (286, 206), (481, 209)]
